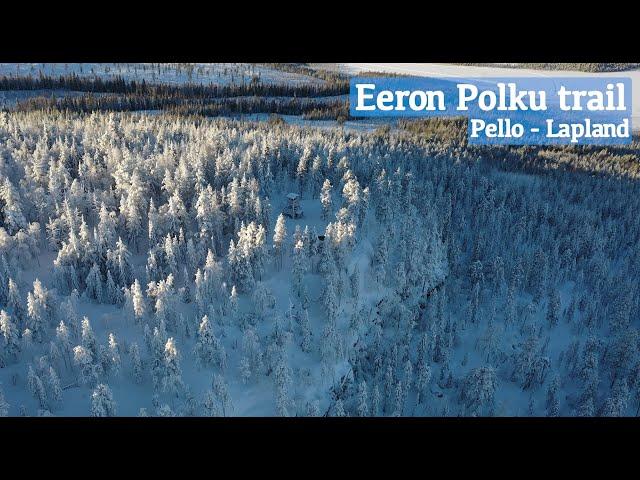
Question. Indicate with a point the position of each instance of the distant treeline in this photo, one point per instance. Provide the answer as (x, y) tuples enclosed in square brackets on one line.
[(614, 160), (309, 108), (331, 87), (580, 67), (302, 69)]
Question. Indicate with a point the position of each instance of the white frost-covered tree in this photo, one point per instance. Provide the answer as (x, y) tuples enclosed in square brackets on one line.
[(11, 337), (325, 199), (4, 405), (209, 350), (39, 309), (279, 239), (172, 375), (102, 402)]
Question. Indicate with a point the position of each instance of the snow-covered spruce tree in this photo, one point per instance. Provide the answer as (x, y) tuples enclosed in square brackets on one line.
[(422, 382), (4, 405), (112, 293), (298, 271), (279, 239), (26, 341), (14, 219), (95, 289), (102, 403), (306, 341), (530, 365), (137, 369), (83, 358), (4, 280), (88, 338), (55, 356), (221, 393), (54, 386), (262, 299), (139, 305), (63, 339), (553, 402), (11, 337), (36, 388), (313, 409), (165, 297), (132, 208), (210, 406), (363, 400), (14, 302), (40, 310), (119, 261), (155, 344), (329, 298), (247, 257), (114, 355), (478, 389), (282, 382), (172, 374), (354, 284), (325, 199), (209, 350), (234, 307), (553, 309), (338, 409), (252, 355), (302, 171)]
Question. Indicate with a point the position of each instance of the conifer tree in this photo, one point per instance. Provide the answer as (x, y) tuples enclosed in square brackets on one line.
[(102, 403), (325, 199)]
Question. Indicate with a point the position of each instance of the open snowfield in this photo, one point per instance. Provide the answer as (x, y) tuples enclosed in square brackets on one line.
[(463, 71)]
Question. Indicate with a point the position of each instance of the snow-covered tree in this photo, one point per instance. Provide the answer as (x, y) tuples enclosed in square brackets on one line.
[(102, 402), (40, 310), (95, 286), (209, 350), (172, 375), (553, 401), (325, 199), (338, 409), (139, 305), (363, 401), (85, 361), (36, 388), (282, 380), (479, 388), (137, 370), (4, 405), (279, 239), (11, 337), (114, 354), (55, 388), (553, 309)]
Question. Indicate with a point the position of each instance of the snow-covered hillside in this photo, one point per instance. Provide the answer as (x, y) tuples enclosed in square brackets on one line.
[(145, 269)]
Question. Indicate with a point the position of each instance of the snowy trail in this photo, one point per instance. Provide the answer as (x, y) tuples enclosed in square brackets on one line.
[(447, 70)]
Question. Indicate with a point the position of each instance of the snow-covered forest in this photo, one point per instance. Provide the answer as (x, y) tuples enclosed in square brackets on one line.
[(147, 269)]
